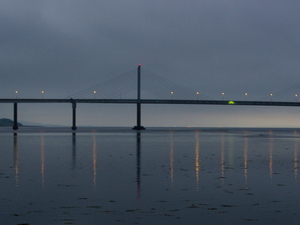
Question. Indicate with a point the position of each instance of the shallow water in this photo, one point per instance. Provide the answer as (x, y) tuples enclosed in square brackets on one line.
[(156, 176)]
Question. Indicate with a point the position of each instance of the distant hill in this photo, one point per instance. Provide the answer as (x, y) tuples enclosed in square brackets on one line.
[(8, 122)]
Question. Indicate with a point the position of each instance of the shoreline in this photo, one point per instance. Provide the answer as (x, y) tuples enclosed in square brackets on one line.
[(91, 129)]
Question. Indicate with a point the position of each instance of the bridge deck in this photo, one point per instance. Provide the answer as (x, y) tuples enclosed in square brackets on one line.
[(154, 101)]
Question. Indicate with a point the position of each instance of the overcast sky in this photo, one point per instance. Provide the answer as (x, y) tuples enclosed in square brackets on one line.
[(65, 46)]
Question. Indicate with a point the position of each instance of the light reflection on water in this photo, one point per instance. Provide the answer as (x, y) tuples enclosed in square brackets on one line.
[(246, 159), (197, 159), (178, 177), (296, 143)]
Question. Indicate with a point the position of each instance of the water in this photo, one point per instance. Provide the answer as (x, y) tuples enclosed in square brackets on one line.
[(156, 176)]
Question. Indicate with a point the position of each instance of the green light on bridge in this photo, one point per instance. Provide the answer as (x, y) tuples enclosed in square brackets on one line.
[(231, 102)]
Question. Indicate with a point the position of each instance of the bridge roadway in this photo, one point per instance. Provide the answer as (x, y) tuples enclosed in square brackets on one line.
[(138, 102), (153, 101)]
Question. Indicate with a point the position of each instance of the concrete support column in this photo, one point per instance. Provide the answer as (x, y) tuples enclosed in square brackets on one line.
[(138, 105), (15, 126), (74, 116)]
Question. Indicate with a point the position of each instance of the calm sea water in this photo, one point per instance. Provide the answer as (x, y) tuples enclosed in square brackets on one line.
[(156, 176)]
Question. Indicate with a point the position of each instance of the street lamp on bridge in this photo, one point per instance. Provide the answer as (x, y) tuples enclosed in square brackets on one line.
[(197, 93), (246, 95), (172, 93), (42, 94), (16, 94), (223, 95)]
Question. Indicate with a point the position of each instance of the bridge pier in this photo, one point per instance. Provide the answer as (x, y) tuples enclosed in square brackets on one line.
[(74, 116), (15, 126), (138, 105), (138, 118)]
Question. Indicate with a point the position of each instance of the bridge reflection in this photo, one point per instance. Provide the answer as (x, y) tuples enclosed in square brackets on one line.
[(16, 159), (138, 164), (230, 157)]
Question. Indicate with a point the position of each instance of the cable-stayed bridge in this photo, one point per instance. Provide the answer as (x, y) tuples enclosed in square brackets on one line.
[(165, 92)]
